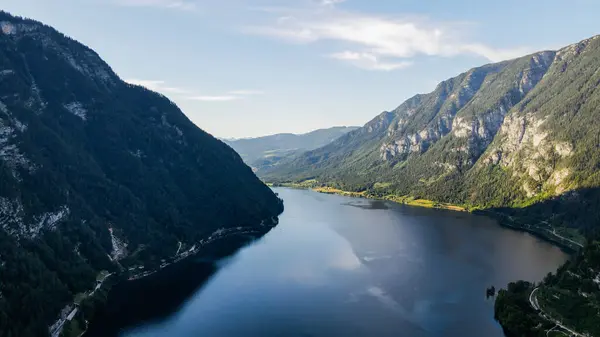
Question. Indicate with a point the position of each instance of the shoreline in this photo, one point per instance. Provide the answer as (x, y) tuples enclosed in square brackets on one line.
[(567, 245), (405, 200), (259, 229), (396, 199), (127, 276), (402, 200)]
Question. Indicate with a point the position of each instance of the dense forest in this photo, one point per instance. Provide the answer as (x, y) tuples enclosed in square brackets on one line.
[(97, 175), (514, 312), (570, 296)]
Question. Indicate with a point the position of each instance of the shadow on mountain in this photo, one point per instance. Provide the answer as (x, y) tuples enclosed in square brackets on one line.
[(155, 298), (563, 215)]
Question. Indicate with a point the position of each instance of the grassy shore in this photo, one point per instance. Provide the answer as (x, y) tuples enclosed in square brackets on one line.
[(566, 240), (405, 200)]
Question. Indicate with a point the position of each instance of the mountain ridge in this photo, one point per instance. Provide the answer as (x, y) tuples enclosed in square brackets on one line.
[(491, 126), (99, 175), (233, 139), (267, 151)]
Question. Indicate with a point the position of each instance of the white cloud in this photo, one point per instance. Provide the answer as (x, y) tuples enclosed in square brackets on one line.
[(375, 38), (331, 2), (223, 98), (175, 90), (185, 5), (232, 95), (494, 54), (246, 92), (162, 87), (299, 35), (150, 84), (369, 61), (158, 86)]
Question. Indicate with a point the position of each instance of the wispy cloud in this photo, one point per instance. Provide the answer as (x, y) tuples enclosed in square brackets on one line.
[(375, 42), (150, 84), (185, 5), (158, 86), (330, 2), (369, 61), (162, 87), (232, 95), (247, 92), (175, 90), (223, 98)]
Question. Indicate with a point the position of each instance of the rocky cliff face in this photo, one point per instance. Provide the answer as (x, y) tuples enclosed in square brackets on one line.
[(539, 140), (461, 108), (496, 135), (425, 119), (97, 174)]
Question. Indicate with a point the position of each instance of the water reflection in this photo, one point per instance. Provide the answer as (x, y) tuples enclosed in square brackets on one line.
[(368, 204), (338, 266)]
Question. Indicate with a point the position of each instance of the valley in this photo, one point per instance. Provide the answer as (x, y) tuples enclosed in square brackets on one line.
[(266, 152), (337, 265), (120, 216)]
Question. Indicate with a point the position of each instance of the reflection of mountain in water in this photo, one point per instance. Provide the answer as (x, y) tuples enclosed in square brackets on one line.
[(368, 204), (155, 297)]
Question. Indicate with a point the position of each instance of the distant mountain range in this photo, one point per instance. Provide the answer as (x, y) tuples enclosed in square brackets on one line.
[(266, 152), (99, 176)]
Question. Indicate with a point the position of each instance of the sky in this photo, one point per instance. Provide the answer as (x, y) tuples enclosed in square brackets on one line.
[(247, 68)]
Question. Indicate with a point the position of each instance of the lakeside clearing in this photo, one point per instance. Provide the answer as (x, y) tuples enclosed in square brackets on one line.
[(404, 200)]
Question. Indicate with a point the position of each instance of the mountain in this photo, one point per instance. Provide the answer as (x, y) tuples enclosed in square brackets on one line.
[(518, 140), (99, 175), (507, 134), (264, 152)]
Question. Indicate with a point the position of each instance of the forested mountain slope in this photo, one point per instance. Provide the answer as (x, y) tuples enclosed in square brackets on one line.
[(97, 174), (264, 152), (570, 297), (505, 134)]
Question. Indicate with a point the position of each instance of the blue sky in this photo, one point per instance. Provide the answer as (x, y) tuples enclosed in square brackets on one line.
[(242, 68)]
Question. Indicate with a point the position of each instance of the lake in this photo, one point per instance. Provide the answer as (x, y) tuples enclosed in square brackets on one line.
[(339, 266)]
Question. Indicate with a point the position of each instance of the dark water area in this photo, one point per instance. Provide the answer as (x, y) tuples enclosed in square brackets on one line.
[(339, 266)]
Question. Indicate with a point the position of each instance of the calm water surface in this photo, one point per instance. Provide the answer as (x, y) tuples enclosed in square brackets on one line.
[(338, 266)]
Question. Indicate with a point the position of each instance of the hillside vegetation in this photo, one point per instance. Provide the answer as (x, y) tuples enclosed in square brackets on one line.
[(566, 300), (504, 135), (98, 175)]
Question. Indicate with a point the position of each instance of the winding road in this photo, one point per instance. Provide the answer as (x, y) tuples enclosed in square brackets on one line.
[(57, 328), (562, 237), (535, 305)]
